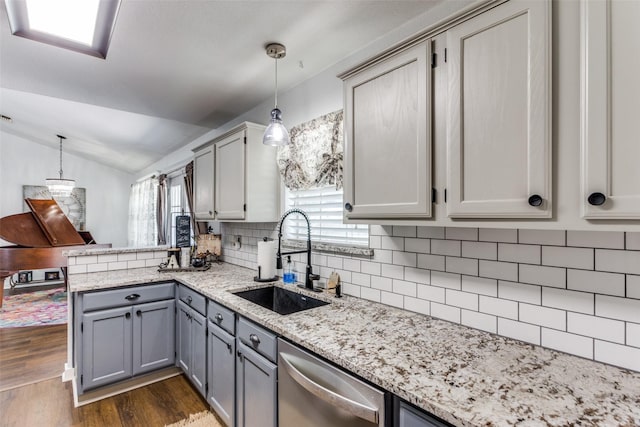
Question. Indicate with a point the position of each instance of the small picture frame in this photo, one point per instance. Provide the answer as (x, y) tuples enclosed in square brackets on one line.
[(52, 275), (24, 276)]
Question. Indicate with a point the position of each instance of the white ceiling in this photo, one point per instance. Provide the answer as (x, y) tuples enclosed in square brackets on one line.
[(176, 69)]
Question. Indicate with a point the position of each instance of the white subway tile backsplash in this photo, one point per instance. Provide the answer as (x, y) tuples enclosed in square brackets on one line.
[(519, 331), (382, 283), (499, 270), (431, 293), (467, 266), (568, 257), (618, 261), (118, 265), (445, 247), (498, 307), (370, 267), (480, 285), (422, 246), (71, 260), (596, 282), (378, 230), (520, 292), (417, 275), (569, 343), (351, 264), (320, 260), (404, 231), (77, 269), (633, 240), (430, 232), (139, 263), (139, 255), (405, 259), (353, 290), (596, 239), (480, 250), (543, 316), (596, 327), (417, 305), (392, 299), (160, 254), (86, 259), (404, 288), (334, 262), (446, 312), (618, 355), (393, 271), (94, 268), (114, 257), (375, 242), (484, 322), (633, 286), (154, 262), (633, 334), (446, 280), (461, 299), (542, 237), (383, 255), (361, 279), (456, 233), (506, 235), (392, 243), (618, 308), (128, 256), (370, 294), (527, 254), (541, 275), (431, 262), (582, 302)]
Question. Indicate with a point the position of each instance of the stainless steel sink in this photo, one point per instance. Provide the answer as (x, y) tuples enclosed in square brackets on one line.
[(280, 300)]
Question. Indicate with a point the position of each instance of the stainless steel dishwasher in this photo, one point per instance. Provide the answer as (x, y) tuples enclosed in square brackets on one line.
[(313, 393)]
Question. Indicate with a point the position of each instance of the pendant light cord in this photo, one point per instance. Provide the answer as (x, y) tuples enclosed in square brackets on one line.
[(60, 171), (276, 105)]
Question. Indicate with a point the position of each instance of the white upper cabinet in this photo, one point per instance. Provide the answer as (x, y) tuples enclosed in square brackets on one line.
[(610, 109), (499, 113), (203, 183), (387, 172), (247, 181)]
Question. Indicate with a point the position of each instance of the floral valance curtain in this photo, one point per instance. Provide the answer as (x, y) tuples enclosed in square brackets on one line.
[(314, 157)]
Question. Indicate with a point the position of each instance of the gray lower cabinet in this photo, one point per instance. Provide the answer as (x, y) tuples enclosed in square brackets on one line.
[(256, 389), (221, 373), (409, 416), (192, 345), (122, 342)]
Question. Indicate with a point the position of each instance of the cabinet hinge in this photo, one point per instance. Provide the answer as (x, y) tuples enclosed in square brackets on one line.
[(434, 58), (81, 327), (245, 140), (81, 379), (445, 195), (445, 54), (434, 193)]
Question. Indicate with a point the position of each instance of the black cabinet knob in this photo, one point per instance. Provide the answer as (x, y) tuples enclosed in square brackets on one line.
[(348, 207), (535, 200), (189, 299), (254, 339), (596, 199), (139, 313), (127, 315), (132, 297), (219, 317)]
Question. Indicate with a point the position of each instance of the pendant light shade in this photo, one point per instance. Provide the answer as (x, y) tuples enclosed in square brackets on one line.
[(276, 133), (60, 187)]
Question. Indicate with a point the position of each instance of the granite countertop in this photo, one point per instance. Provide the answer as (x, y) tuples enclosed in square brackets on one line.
[(465, 376)]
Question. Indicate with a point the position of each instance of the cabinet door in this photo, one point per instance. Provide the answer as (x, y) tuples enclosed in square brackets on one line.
[(230, 177), (221, 373), (153, 336), (183, 337), (610, 106), (203, 183), (106, 347), (198, 373), (256, 389), (499, 113), (387, 169)]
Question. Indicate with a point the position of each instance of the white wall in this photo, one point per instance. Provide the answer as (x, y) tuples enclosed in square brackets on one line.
[(23, 162)]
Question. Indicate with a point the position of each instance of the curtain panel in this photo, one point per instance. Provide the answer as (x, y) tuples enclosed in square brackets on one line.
[(143, 205), (188, 187), (161, 211)]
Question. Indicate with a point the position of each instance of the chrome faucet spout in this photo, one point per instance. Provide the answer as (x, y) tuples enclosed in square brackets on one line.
[(309, 277)]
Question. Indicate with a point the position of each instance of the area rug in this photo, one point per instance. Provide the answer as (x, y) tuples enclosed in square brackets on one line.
[(201, 419), (46, 307)]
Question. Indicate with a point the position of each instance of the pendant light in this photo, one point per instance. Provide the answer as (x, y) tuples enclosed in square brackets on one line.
[(60, 187), (276, 134)]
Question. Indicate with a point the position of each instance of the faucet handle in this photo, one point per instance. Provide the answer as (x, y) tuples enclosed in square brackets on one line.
[(314, 276)]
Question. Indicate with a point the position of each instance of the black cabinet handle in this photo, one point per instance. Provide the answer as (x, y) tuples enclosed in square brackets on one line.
[(348, 207), (219, 317), (210, 212), (229, 347), (139, 313), (127, 315), (132, 297), (254, 339), (596, 199), (535, 200)]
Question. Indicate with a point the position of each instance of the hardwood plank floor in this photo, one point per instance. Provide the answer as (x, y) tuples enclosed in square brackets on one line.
[(31, 354)]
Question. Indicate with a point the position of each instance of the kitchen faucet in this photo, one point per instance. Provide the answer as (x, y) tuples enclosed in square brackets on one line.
[(309, 277)]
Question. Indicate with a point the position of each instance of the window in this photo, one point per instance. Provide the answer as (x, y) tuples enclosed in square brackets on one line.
[(142, 226), (324, 208), (177, 205)]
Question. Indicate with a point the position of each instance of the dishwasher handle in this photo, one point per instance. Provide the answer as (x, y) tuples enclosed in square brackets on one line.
[(357, 409)]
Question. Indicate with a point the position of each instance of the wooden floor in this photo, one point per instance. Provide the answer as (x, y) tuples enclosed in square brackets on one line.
[(34, 355)]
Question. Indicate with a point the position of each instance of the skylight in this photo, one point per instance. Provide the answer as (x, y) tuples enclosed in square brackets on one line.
[(83, 26), (70, 19)]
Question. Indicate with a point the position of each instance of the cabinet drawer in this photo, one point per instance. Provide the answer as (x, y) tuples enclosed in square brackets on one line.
[(257, 338), (127, 296), (193, 299), (222, 316)]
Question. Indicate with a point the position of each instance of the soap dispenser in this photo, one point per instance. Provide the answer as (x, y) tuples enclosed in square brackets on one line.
[(289, 276)]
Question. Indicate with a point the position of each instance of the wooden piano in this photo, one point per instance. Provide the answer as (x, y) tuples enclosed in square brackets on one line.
[(40, 237)]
